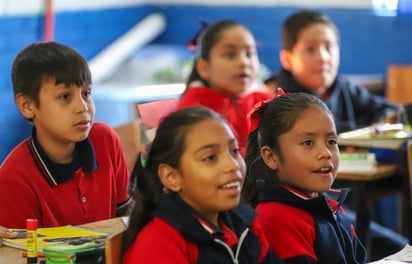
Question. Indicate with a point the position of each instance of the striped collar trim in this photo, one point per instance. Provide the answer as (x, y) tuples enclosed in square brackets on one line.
[(56, 173)]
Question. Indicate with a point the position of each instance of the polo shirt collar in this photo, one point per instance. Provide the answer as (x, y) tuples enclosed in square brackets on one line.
[(56, 173)]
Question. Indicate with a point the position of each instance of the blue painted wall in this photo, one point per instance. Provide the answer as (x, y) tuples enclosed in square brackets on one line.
[(88, 32), (369, 42)]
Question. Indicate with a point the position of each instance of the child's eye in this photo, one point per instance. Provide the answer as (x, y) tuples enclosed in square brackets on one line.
[(332, 142), (310, 49), (229, 54), (307, 143), (65, 96), (211, 157), (235, 151), (250, 53), (87, 93)]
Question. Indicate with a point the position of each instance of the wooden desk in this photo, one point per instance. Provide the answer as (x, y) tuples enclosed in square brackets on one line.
[(112, 226), (382, 171), (359, 182), (361, 138)]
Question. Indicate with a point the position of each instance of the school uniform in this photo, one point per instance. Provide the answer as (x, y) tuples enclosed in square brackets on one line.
[(234, 109), (352, 106), (178, 234), (93, 187), (302, 229)]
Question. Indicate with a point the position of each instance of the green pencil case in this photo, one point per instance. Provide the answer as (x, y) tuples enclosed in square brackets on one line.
[(78, 251)]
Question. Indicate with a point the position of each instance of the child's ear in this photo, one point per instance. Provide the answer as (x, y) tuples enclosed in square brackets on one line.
[(285, 57), (202, 67), (169, 177), (25, 105), (270, 158)]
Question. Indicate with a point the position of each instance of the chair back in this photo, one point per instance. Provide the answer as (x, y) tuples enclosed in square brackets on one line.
[(129, 135), (399, 84)]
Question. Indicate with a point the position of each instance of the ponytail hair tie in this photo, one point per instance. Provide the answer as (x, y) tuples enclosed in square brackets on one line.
[(193, 42), (256, 114), (144, 154)]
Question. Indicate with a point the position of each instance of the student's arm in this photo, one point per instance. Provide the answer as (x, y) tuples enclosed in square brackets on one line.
[(124, 201), (370, 108)]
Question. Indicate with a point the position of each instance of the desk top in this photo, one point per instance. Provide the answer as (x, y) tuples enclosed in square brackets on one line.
[(381, 171), (385, 136), (112, 226), (393, 144)]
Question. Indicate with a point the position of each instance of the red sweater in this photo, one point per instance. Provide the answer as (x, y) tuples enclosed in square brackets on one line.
[(28, 187), (234, 109)]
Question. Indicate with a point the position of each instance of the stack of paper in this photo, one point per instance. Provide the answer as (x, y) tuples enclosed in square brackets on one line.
[(357, 162)]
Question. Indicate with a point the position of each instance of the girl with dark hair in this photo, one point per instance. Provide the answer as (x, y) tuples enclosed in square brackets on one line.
[(225, 70), (187, 195), (292, 159)]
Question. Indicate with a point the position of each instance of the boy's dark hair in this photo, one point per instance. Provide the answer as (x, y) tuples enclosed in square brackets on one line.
[(297, 22), (277, 118), (206, 40), (167, 148), (41, 61)]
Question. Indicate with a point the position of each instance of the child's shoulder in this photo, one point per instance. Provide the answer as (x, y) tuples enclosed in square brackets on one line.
[(201, 96), (102, 132), (251, 98), (20, 154), (259, 95), (99, 127)]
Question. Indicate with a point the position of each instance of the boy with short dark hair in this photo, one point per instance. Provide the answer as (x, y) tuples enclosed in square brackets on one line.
[(310, 58), (70, 170)]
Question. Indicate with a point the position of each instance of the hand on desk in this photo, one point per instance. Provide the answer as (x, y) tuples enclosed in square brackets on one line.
[(6, 233)]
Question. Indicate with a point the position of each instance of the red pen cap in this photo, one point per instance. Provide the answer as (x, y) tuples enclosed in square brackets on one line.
[(31, 224)]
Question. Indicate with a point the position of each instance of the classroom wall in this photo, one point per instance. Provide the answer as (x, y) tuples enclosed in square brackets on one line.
[(369, 42)]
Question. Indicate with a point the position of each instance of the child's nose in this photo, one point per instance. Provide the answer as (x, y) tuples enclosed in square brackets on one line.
[(324, 53), (81, 105), (324, 152), (231, 163), (244, 58)]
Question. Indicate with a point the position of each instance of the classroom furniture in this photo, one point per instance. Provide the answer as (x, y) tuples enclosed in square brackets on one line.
[(386, 179), (129, 135), (399, 83), (114, 226), (141, 130), (363, 194)]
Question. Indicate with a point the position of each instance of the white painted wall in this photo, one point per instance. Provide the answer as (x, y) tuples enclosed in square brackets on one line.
[(19, 7), (303, 3)]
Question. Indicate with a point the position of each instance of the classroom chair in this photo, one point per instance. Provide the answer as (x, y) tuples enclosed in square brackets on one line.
[(130, 138), (399, 83)]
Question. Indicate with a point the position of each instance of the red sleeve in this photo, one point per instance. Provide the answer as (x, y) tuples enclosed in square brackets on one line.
[(160, 243), (294, 234), (263, 241)]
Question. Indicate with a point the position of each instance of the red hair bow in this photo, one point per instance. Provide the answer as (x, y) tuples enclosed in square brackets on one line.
[(256, 113)]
